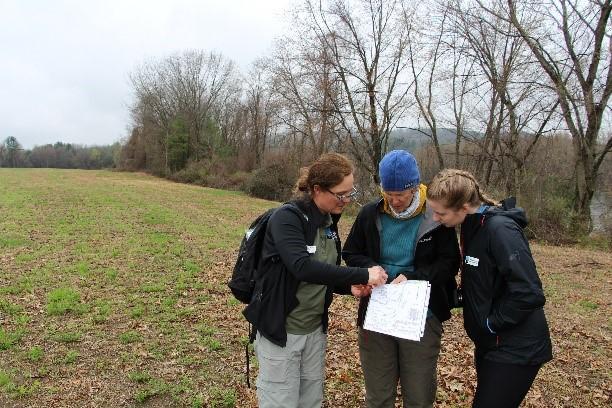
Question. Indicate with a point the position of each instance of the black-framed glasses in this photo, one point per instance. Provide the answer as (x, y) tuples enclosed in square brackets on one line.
[(346, 197)]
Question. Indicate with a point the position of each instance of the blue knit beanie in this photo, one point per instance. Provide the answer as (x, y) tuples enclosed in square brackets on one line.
[(398, 171)]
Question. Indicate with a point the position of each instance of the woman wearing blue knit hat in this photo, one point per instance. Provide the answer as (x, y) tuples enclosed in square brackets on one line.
[(398, 233)]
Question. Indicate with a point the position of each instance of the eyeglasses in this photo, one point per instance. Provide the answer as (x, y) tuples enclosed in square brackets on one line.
[(346, 197)]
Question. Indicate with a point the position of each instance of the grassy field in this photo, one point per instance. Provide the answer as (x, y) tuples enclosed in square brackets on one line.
[(112, 293)]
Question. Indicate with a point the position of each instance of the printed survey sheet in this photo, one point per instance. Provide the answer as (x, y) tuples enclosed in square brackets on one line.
[(399, 310)]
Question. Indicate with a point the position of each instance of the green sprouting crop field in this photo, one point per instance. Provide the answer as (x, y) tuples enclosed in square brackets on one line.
[(112, 294)]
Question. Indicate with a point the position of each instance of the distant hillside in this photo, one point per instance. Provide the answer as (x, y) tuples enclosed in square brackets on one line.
[(411, 139)]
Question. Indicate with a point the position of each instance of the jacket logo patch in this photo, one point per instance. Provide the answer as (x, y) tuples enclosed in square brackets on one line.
[(311, 249), (425, 239), (471, 260), (331, 234)]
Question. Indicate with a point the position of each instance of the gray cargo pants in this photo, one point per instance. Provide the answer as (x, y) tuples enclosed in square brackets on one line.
[(291, 376)]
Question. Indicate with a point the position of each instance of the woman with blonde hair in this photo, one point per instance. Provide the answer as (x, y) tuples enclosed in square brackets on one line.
[(300, 271), (502, 294)]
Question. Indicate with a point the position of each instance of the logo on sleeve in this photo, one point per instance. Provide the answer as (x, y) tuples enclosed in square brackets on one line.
[(469, 260)]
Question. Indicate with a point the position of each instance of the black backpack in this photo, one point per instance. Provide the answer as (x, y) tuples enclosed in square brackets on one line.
[(242, 282), (244, 275)]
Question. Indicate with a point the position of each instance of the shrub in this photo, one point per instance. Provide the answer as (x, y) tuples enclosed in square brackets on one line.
[(215, 172), (273, 182), (548, 204), (194, 173), (235, 181)]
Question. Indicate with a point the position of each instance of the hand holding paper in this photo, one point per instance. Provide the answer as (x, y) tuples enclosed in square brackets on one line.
[(377, 276), (361, 290)]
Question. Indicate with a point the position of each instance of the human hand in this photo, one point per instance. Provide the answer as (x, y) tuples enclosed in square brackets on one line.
[(377, 276), (399, 279), (361, 290)]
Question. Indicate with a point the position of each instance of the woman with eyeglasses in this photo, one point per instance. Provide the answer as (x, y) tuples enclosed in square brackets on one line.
[(300, 259), (397, 232), (503, 310)]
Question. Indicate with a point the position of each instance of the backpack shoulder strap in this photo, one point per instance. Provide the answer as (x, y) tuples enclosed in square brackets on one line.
[(295, 208)]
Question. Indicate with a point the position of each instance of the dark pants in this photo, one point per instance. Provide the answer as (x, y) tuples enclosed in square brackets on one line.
[(385, 359), (502, 385)]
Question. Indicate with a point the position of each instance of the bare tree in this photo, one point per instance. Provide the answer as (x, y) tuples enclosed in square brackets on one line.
[(306, 88), (197, 84), (462, 78), (520, 107), (232, 119), (259, 110), (572, 43), (185, 91), (424, 53), (365, 41)]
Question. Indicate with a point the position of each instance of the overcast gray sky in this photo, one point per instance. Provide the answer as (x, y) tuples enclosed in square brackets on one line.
[(64, 64)]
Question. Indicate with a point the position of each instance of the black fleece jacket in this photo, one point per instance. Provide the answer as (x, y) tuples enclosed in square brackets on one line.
[(436, 257), (501, 284), (285, 262)]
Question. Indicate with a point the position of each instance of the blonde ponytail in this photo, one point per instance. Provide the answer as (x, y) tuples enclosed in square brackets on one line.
[(454, 188)]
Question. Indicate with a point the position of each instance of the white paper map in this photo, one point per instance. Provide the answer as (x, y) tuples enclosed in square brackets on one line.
[(399, 310)]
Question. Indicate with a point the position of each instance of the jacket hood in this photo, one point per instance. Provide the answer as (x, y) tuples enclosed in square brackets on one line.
[(516, 214), (508, 209)]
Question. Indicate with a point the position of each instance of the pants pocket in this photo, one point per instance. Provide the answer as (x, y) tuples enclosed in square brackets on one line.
[(274, 365), (273, 370), (313, 357)]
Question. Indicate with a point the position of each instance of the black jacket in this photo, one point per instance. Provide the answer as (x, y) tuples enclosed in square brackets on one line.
[(285, 262), (501, 284), (436, 257)]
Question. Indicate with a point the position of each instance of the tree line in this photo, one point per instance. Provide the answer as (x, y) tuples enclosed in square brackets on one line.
[(59, 155), (523, 87)]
